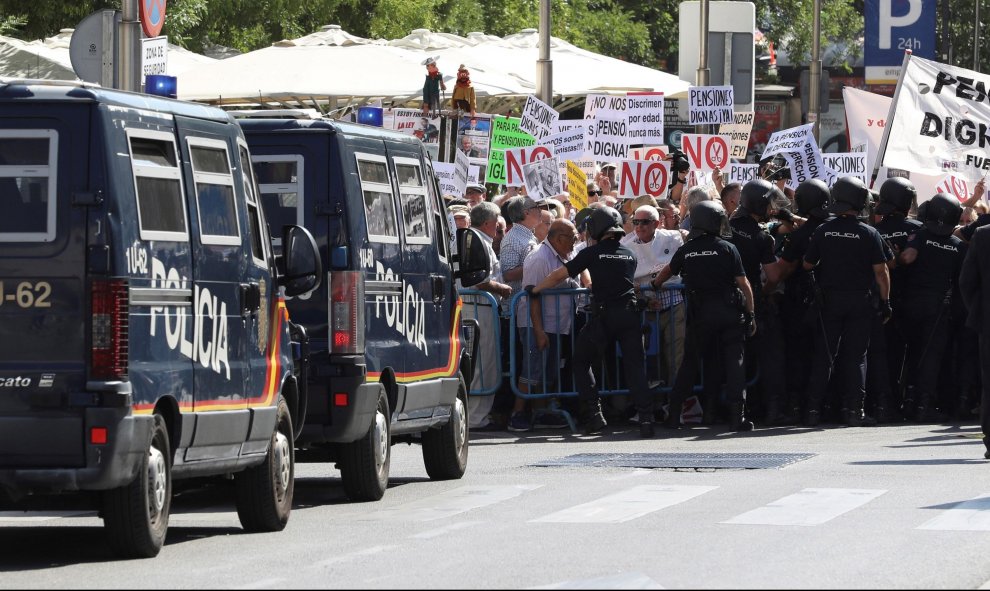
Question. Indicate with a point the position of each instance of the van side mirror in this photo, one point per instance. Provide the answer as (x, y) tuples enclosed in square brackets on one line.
[(474, 262), (302, 269)]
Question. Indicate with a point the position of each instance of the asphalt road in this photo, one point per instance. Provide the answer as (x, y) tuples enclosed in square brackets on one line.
[(890, 507)]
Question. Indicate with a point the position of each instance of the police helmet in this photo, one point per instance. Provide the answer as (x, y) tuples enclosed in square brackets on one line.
[(603, 220), (848, 193), (756, 197), (896, 195), (942, 214), (811, 197), (708, 217)]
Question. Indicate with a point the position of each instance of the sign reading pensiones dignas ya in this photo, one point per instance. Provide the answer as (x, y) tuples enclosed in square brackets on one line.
[(940, 121)]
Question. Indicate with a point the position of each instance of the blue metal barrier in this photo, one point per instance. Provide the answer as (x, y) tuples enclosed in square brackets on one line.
[(483, 307), (661, 364)]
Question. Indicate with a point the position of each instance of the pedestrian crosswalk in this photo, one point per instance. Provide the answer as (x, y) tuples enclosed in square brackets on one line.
[(474, 505)]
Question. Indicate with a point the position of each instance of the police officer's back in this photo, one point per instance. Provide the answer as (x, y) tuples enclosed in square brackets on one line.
[(612, 267), (932, 259), (720, 306), (849, 259)]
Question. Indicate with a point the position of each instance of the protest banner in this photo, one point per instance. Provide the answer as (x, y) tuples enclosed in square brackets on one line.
[(807, 163), (517, 158), (607, 139), (954, 185), (505, 134), (603, 105), (706, 152), (788, 140), (643, 177), (588, 166), (577, 185), (648, 153), (461, 165), (743, 173), (866, 116), (566, 145), (938, 121), (563, 125), (644, 111), (542, 178), (412, 122), (445, 177), (739, 130), (848, 164), (709, 105), (538, 118)]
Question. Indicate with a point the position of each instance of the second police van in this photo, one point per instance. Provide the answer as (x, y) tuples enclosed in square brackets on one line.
[(143, 335), (388, 362)]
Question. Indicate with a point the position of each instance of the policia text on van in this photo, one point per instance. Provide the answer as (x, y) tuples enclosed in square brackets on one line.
[(147, 337), (388, 362)]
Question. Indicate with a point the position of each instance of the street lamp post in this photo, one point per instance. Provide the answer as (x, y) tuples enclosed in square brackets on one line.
[(815, 75)]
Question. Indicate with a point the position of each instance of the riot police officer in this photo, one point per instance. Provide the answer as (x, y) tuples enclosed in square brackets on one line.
[(615, 316), (885, 359), (720, 311), (932, 260), (797, 312), (848, 259), (764, 351)]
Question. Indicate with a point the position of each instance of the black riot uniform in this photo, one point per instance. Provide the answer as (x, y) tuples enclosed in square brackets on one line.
[(847, 256), (717, 317), (797, 312), (885, 359), (935, 258), (615, 317), (765, 350)]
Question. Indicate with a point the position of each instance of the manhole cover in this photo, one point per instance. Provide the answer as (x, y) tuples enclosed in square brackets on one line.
[(715, 461)]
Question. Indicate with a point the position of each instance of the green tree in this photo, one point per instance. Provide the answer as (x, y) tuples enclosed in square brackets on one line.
[(788, 23)]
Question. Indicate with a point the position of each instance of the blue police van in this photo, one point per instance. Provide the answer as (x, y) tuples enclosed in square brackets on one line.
[(143, 328), (388, 359)]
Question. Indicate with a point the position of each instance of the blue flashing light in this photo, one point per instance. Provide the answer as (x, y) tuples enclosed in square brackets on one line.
[(160, 85), (370, 116)]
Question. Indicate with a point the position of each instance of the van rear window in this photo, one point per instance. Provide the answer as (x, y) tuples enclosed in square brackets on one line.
[(158, 182), (279, 180), (27, 185)]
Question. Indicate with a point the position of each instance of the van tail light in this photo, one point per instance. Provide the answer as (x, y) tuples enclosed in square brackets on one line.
[(109, 325), (346, 312)]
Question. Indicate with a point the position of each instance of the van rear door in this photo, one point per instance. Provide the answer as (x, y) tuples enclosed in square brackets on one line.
[(44, 167)]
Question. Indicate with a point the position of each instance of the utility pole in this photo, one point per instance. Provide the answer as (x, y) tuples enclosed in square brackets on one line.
[(703, 75), (815, 75), (976, 38), (544, 67), (129, 48)]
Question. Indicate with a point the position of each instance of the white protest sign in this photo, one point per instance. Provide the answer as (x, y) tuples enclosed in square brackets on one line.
[(603, 105), (607, 138), (954, 185), (542, 178), (568, 124), (710, 105), (866, 116), (645, 113), (788, 140), (706, 152), (567, 145), (445, 176), (739, 130), (743, 173), (648, 153), (516, 158), (461, 165), (939, 121), (848, 164), (538, 118), (588, 166), (643, 177), (807, 163)]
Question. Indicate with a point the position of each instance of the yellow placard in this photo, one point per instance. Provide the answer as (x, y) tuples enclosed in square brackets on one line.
[(577, 186)]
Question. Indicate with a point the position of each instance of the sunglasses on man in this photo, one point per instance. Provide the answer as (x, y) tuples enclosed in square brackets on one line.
[(643, 222), (596, 193)]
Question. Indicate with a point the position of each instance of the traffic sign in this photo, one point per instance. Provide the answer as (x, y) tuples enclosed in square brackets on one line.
[(154, 56), (152, 14), (893, 26)]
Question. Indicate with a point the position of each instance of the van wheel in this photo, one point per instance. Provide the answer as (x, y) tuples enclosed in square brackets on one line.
[(364, 463), (264, 492), (136, 515), (445, 450)]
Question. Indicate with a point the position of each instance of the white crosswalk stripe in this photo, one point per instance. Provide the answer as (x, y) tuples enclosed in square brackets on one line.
[(626, 505), (811, 506), (451, 503), (971, 515)]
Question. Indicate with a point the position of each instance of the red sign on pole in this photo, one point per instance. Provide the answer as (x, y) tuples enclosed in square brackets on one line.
[(152, 14)]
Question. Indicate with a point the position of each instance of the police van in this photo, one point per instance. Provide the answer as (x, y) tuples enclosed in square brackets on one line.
[(143, 336), (388, 360)]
